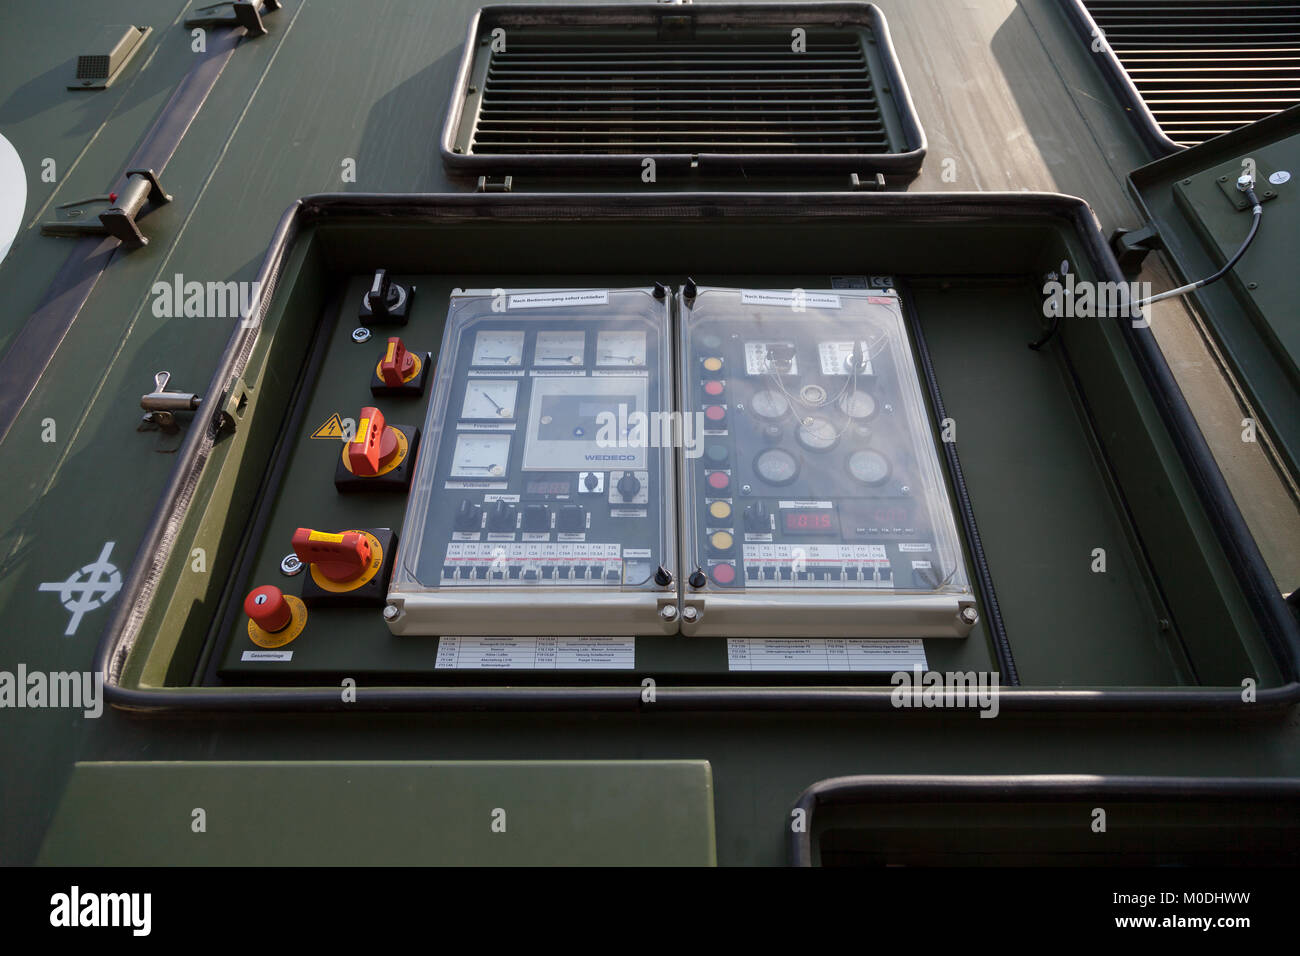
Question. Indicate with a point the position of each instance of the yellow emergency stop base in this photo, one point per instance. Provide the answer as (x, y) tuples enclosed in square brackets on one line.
[(269, 639)]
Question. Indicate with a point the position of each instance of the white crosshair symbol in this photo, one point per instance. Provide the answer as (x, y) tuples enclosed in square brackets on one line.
[(94, 586)]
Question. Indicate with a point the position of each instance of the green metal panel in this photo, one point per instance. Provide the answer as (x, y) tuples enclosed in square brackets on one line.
[(362, 813)]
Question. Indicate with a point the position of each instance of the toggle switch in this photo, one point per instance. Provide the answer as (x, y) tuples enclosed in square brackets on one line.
[(373, 442), (379, 457), (346, 568), (400, 372), (339, 557), (386, 301)]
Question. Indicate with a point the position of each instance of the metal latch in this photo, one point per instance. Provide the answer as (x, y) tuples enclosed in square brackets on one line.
[(242, 13), (161, 405), (492, 184), (117, 218), (874, 183)]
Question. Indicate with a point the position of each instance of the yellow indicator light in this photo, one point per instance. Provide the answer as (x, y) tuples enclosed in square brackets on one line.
[(721, 540), (720, 510), (713, 364)]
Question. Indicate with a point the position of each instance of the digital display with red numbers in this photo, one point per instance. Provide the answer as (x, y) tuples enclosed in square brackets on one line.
[(809, 521), (890, 516), (547, 488)]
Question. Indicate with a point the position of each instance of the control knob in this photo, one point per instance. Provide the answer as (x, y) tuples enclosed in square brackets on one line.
[(628, 486)]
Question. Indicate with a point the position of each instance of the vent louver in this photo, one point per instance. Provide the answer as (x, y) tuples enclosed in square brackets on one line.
[(598, 87), (1202, 67)]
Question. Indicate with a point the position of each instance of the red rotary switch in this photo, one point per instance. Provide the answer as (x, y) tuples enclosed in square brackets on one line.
[(268, 608), (339, 557), (374, 445), (398, 365)]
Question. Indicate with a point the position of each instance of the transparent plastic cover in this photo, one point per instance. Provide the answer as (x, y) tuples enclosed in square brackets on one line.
[(819, 470), (542, 468)]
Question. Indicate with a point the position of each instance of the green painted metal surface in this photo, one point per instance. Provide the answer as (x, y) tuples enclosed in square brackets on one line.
[(511, 813), (1005, 92)]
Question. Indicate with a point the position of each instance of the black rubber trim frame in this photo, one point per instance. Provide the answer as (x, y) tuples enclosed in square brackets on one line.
[(1112, 69), (906, 163), (983, 577), (1275, 620), (1021, 788)]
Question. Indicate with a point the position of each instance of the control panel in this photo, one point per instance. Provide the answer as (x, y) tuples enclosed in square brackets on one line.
[(543, 503), (814, 498)]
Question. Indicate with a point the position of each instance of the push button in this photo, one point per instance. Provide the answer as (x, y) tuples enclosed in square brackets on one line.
[(537, 518), (268, 608), (572, 519), (274, 618)]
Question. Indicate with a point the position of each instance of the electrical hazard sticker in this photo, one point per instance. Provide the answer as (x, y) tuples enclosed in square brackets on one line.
[(333, 428)]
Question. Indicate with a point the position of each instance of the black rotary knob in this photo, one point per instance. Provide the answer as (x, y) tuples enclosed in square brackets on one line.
[(757, 517), (502, 516), (467, 515), (629, 485)]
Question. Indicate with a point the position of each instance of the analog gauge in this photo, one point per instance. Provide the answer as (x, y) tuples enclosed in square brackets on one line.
[(560, 348), (817, 434), (480, 456), (498, 347), (868, 466), (776, 466), (620, 348), (769, 404), (858, 405), (489, 398)]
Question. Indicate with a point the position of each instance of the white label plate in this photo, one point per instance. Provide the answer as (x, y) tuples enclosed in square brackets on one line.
[(823, 654), (536, 653)]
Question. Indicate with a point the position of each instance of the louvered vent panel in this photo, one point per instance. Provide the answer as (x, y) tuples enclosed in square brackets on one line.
[(574, 97), (1205, 67)]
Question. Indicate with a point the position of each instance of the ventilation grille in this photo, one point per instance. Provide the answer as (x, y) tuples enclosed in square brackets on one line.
[(1204, 67), (757, 96)]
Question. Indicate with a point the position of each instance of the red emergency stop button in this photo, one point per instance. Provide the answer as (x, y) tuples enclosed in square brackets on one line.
[(398, 366), (374, 444), (339, 557), (268, 608)]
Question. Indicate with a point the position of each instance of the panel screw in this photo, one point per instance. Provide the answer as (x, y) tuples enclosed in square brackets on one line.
[(360, 335), (1252, 285), (969, 615), (290, 565), (392, 612), (668, 612), (690, 614)]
